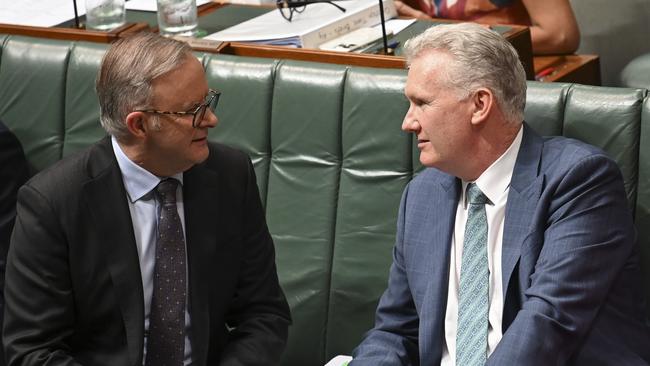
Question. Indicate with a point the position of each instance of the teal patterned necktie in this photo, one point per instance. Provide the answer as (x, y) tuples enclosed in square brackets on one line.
[(473, 303)]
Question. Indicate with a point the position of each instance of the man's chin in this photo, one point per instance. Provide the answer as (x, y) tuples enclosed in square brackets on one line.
[(202, 156), (428, 161)]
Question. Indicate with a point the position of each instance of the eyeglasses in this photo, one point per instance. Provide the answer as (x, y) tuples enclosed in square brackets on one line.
[(210, 101), (288, 7)]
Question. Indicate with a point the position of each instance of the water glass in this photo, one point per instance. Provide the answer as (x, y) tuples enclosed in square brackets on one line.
[(104, 15), (177, 17)]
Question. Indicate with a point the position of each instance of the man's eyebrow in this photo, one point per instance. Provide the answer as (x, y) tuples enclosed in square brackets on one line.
[(413, 96), (190, 105)]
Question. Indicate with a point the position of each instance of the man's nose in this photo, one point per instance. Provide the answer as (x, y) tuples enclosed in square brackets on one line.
[(410, 124), (209, 119)]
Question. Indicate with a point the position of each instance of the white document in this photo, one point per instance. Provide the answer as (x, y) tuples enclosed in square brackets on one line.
[(39, 13), (339, 361), (354, 40), (363, 38), (48, 13), (396, 25), (318, 23), (150, 5)]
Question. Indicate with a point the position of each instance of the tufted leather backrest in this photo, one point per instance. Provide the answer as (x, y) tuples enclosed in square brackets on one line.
[(332, 161), (330, 158)]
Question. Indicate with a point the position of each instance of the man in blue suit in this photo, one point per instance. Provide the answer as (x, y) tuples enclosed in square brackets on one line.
[(511, 249)]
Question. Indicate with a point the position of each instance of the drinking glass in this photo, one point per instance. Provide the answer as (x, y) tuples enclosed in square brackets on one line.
[(104, 15), (177, 17)]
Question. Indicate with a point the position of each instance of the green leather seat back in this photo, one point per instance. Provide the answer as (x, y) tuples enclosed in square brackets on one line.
[(82, 126), (642, 218), (318, 136), (244, 108), (605, 117), (375, 167), (609, 118), (302, 195), (3, 38), (544, 110), (32, 93)]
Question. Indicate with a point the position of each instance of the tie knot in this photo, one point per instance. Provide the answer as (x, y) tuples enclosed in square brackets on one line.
[(167, 190), (475, 196)]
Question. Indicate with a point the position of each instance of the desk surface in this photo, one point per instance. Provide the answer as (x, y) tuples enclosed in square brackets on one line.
[(214, 17), (73, 34), (581, 69), (221, 17)]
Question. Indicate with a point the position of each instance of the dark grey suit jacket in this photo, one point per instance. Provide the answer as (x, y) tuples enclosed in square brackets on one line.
[(74, 292), (14, 172), (570, 266)]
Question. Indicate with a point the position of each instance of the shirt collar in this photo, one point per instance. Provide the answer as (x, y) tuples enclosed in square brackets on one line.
[(138, 181), (495, 180)]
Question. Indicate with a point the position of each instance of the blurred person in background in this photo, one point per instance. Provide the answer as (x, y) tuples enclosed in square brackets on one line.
[(553, 26)]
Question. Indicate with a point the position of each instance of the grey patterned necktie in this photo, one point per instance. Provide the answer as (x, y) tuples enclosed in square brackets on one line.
[(473, 303), (166, 340)]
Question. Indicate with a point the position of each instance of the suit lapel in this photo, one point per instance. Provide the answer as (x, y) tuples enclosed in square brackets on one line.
[(445, 215), (201, 205), (525, 190), (105, 199), (441, 226)]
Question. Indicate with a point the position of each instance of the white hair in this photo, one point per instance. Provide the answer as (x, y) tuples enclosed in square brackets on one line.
[(481, 58)]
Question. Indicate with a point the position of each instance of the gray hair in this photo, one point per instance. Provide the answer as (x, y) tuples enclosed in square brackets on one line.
[(124, 81), (482, 58)]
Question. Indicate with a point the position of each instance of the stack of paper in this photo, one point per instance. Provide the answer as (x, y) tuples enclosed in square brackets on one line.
[(39, 13), (49, 13), (355, 40), (318, 23)]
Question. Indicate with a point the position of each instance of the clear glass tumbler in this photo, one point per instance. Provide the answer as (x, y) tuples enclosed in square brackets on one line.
[(104, 15), (177, 17)]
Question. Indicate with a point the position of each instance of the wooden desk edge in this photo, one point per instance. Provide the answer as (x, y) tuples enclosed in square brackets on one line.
[(314, 55), (517, 35), (582, 69), (72, 34)]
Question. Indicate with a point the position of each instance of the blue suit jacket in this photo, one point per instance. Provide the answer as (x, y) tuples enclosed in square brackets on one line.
[(571, 279)]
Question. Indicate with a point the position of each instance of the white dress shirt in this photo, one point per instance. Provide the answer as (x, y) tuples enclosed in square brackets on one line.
[(495, 184), (139, 184)]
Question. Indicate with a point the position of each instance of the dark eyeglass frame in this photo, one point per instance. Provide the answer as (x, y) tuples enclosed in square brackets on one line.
[(298, 6), (198, 113)]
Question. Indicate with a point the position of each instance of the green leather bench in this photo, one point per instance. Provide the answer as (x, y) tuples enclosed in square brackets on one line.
[(330, 158)]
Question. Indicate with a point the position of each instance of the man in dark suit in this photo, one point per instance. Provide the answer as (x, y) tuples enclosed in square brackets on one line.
[(511, 249), (13, 174), (151, 246)]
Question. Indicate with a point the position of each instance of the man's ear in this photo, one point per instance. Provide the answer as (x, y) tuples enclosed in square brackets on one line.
[(482, 104), (136, 123)]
